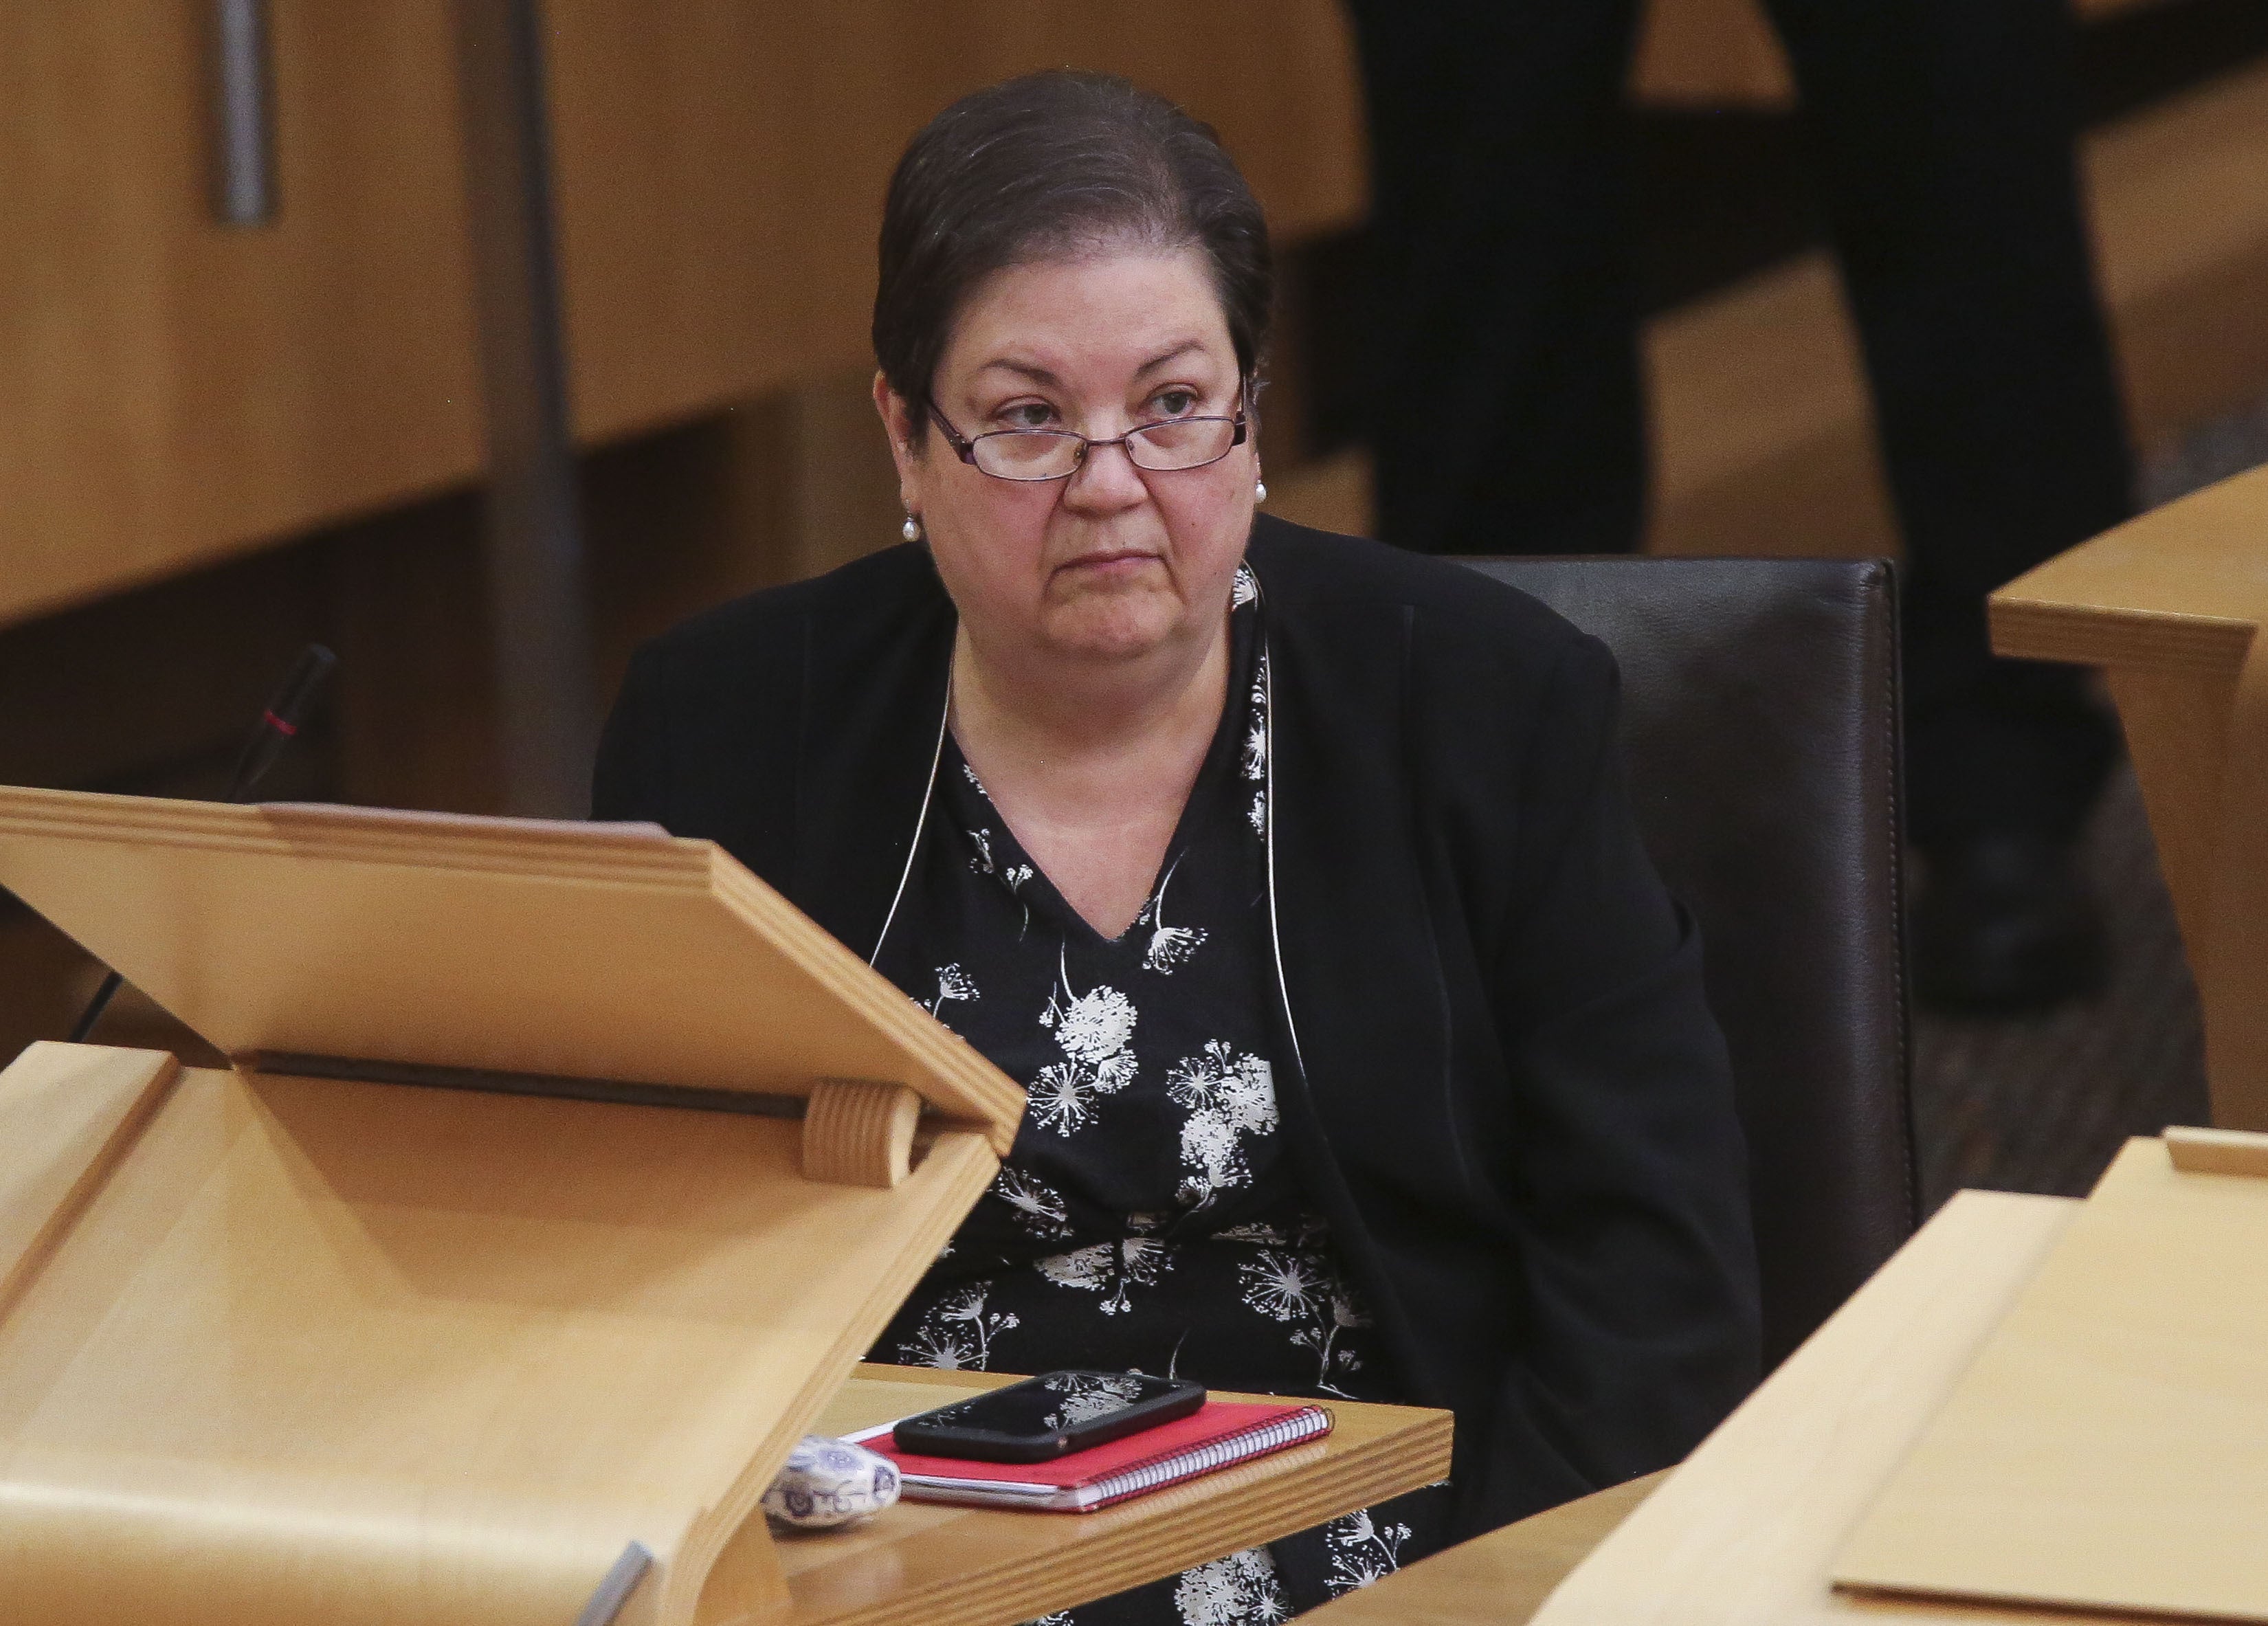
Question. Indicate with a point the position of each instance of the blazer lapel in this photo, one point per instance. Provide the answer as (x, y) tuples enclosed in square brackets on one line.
[(877, 687)]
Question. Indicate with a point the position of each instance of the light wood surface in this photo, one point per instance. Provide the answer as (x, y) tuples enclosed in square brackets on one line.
[(721, 165), (2217, 1152), (1741, 1533), (172, 390), (2169, 604), (859, 1134), (574, 951), (285, 1347), (961, 1566), (2109, 1447), (1744, 1530), (1502, 1578), (363, 1352), (66, 1114)]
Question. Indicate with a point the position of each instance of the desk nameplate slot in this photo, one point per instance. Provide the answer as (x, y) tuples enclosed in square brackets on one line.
[(618, 1091)]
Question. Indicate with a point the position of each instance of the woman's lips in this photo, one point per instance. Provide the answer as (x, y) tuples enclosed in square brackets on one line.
[(1118, 558)]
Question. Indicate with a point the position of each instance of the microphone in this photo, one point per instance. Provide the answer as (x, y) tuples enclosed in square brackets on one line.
[(281, 723), (278, 727)]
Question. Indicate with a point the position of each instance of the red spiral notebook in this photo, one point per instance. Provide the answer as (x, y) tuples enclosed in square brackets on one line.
[(1217, 1435)]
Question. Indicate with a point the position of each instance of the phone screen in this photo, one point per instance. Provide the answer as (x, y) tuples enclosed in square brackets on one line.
[(1050, 1416), (1050, 1404)]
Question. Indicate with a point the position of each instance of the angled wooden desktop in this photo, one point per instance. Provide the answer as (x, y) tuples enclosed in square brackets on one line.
[(2168, 606), (2041, 1411), (1743, 1533), (559, 1180)]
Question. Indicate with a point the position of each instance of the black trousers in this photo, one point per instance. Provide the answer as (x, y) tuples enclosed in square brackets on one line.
[(1506, 406)]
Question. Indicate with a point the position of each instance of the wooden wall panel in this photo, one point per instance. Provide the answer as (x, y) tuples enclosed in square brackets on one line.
[(721, 165), (171, 388)]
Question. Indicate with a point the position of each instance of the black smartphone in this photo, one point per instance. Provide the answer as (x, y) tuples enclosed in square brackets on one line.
[(1050, 1416)]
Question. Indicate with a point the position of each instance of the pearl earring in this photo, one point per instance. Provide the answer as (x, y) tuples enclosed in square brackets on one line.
[(911, 529), (1260, 490)]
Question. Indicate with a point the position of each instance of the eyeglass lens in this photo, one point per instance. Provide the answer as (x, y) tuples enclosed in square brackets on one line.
[(1181, 442)]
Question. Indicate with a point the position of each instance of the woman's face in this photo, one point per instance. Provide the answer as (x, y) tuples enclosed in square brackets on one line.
[(1114, 563)]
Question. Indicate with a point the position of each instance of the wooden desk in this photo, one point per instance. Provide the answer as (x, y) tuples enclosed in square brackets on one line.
[(966, 1566), (2168, 606), (1744, 1530)]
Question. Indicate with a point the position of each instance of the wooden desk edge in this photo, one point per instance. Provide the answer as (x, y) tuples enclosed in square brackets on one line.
[(1144, 1539), (1525, 1561)]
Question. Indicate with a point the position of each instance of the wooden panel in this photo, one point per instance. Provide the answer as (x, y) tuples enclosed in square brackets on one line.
[(368, 1354), (2170, 603), (2196, 1151), (66, 1112), (1742, 1534), (2177, 726), (1710, 54), (2178, 590), (2105, 1449), (511, 945), (172, 389), (1764, 433), (721, 166), (964, 1566)]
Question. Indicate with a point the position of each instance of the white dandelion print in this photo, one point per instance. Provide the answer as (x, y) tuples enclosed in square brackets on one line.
[(1282, 1286), (1253, 762), (1302, 1288), (957, 1333), (1246, 589), (1229, 1097), (1093, 1027), (1095, 1030), (1362, 1550), (1038, 1207), (982, 864), (1061, 1098), (1170, 947), (1109, 1268), (1239, 1590), (952, 984)]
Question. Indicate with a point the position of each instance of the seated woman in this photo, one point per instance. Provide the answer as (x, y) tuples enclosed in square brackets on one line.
[(1290, 874)]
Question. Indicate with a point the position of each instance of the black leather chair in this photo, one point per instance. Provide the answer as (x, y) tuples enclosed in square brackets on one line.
[(1760, 721)]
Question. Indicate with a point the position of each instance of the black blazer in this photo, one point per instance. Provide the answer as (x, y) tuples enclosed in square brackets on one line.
[(1511, 1101)]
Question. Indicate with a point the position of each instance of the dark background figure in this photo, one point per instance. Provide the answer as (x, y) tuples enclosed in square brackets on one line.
[(1508, 408)]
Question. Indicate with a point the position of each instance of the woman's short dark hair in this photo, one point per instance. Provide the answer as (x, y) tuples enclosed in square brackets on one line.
[(1048, 164)]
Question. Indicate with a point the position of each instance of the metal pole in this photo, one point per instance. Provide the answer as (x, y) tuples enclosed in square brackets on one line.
[(538, 603), (244, 114)]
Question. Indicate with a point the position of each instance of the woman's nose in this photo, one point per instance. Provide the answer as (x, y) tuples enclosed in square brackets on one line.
[(1106, 478)]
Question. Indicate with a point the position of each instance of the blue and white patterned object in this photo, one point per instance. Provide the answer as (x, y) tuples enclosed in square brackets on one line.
[(828, 1482)]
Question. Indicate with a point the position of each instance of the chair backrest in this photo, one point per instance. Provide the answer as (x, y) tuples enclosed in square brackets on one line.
[(1760, 722)]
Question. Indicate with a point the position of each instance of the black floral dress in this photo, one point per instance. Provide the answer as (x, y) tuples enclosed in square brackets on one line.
[(1147, 1218)]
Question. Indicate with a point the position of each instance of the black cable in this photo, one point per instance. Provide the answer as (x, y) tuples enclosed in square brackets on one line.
[(278, 727)]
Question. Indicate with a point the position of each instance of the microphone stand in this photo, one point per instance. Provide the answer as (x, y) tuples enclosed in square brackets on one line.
[(278, 727)]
